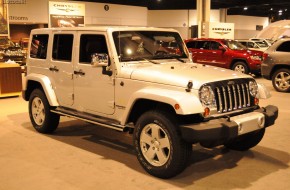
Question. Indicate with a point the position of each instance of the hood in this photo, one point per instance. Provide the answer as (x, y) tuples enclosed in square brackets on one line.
[(179, 74)]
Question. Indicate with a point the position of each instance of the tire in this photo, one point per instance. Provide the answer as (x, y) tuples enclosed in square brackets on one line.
[(240, 67), (42, 119), (247, 141), (159, 147), (281, 80)]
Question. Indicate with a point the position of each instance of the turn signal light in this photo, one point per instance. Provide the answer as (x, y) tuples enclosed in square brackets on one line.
[(256, 101), (265, 56), (177, 106)]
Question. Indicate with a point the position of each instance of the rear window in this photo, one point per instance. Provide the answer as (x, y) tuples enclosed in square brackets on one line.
[(284, 47), (38, 48)]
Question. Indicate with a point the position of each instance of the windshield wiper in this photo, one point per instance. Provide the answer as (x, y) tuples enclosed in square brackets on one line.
[(166, 56), (151, 61)]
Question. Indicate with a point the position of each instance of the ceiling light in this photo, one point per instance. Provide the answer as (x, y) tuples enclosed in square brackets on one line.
[(280, 11), (245, 8), (271, 9)]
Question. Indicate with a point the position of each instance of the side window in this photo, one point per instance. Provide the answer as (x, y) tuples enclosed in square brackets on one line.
[(190, 44), (202, 45), (206, 45), (285, 47), (244, 43), (62, 47), (251, 45), (214, 45), (38, 47), (89, 44)]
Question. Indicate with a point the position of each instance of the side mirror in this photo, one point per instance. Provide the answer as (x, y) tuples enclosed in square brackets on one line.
[(222, 48), (100, 60)]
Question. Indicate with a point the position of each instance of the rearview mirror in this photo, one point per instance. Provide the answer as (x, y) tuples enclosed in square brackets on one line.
[(100, 60)]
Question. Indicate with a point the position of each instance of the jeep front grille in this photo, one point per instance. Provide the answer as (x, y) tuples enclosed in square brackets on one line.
[(231, 97)]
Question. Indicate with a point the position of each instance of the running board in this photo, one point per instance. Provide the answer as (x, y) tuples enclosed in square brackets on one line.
[(90, 119)]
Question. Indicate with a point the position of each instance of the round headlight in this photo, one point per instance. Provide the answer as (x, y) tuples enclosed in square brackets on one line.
[(253, 87), (206, 96)]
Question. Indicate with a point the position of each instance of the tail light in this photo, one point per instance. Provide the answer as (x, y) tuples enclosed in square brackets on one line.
[(265, 56)]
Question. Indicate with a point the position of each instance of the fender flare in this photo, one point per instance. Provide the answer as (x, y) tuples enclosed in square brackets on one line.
[(188, 101), (44, 81)]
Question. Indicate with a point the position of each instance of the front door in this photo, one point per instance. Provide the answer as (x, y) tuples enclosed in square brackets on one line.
[(215, 55), (93, 86)]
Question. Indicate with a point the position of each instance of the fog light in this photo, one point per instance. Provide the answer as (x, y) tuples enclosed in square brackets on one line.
[(261, 122), (206, 112)]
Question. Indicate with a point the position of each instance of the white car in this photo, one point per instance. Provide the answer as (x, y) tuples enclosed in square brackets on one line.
[(254, 45), (267, 42), (123, 78)]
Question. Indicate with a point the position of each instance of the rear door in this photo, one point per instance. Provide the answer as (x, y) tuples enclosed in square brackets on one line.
[(61, 67)]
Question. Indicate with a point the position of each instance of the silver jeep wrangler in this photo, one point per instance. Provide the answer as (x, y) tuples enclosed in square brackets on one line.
[(143, 81)]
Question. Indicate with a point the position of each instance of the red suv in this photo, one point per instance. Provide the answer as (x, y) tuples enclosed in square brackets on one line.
[(225, 53)]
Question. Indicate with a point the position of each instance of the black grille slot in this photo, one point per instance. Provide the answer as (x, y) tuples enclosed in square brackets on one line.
[(231, 97)]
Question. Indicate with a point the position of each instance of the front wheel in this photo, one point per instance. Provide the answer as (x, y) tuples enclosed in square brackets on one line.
[(160, 150), (247, 141), (240, 67), (281, 80), (42, 119)]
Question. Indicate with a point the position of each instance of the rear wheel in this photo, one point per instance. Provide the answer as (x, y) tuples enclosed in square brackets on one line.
[(160, 150), (42, 119), (247, 141), (240, 67), (281, 80)]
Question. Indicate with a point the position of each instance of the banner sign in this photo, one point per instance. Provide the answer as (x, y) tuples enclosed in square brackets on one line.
[(4, 22), (63, 14), (220, 30)]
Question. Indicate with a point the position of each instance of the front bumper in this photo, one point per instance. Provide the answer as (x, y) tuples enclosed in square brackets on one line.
[(223, 129)]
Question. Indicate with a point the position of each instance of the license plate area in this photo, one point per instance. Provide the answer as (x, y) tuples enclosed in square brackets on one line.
[(249, 122)]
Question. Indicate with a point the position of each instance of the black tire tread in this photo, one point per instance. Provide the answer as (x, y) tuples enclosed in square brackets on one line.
[(182, 150), (51, 120), (274, 76)]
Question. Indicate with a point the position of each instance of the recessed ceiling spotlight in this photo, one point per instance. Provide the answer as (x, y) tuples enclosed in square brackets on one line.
[(271, 9), (245, 8), (280, 11)]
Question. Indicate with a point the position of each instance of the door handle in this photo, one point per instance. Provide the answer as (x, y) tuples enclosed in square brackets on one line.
[(79, 72), (54, 69)]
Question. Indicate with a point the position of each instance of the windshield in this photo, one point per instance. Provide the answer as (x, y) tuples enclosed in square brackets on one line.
[(148, 45), (234, 45)]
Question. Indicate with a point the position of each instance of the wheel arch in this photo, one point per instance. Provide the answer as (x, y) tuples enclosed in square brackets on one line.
[(277, 67), (161, 99), (37, 81), (237, 60)]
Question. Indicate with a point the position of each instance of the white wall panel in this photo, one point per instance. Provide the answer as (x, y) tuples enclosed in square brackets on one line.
[(245, 26), (36, 11)]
